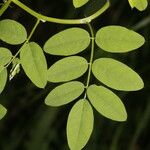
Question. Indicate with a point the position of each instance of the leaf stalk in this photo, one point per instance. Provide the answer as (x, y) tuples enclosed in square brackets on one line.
[(62, 21)]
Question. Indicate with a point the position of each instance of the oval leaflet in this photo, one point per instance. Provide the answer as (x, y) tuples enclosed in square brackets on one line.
[(5, 56), (80, 124), (116, 75), (68, 42), (34, 63), (117, 39), (107, 103), (67, 69), (64, 93), (12, 32)]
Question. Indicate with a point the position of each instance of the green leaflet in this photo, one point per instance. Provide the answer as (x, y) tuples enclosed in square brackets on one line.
[(67, 69), (12, 32), (139, 4), (3, 111), (5, 56), (34, 63), (79, 3), (64, 93), (107, 103), (3, 78), (68, 42), (80, 125), (116, 75), (117, 39)]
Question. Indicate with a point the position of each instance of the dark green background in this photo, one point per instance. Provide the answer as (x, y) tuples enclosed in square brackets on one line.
[(31, 125)]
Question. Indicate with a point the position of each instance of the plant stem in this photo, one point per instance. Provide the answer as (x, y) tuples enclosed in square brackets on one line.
[(91, 56), (62, 21), (142, 24), (29, 37), (4, 7), (33, 30)]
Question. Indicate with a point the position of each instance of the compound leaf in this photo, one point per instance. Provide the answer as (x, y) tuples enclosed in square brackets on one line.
[(116, 75), (64, 93), (5, 56), (34, 63), (117, 39), (3, 111), (79, 3), (12, 32), (3, 78), (107, 103), (139, 4), (67, 69), (79, 125), (68, 42)]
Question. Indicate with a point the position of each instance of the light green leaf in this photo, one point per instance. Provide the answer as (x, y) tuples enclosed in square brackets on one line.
[(117, 39), (79, 3), (3, 111), (34, 63), (5, 56), (3, 78), (64, 93), (116, 75), (139, 4), (68, 42), (12, 32), (67, 69), (80, 125), (107, 103)]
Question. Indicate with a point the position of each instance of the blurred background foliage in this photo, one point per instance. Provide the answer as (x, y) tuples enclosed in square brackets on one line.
[(31, 125)]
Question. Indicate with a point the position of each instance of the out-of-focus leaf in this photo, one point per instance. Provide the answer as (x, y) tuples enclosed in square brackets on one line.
[(79, 3), (3, 78), (3, 111)]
